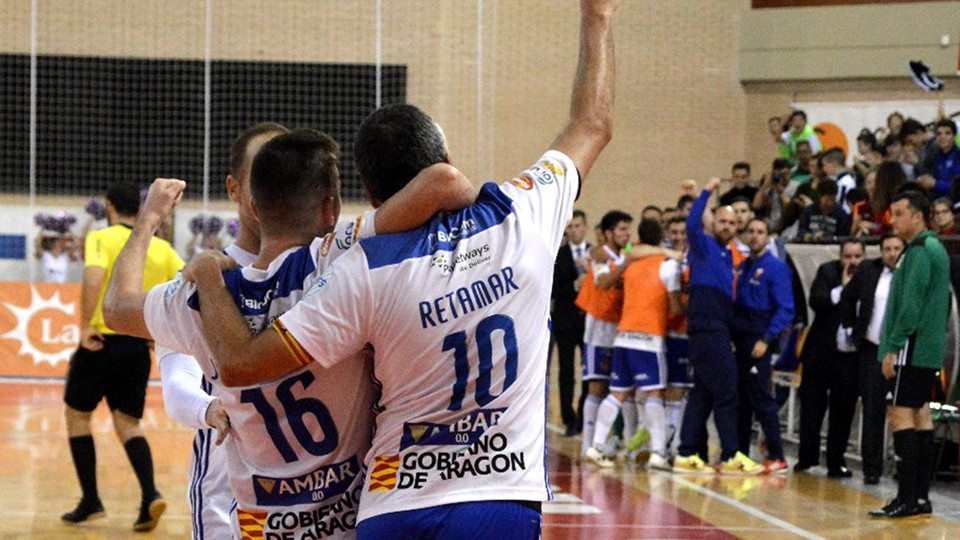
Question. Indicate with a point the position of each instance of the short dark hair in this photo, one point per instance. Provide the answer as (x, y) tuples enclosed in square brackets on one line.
[(651, 207), (677, 219), (650, 232), (684, 199), (947, 123), (852, 240), (911, 126), (238, 150), (741, 165), (781, 163), (393, 145), (827, 188), (125, 198), (580, 214), (887, 236), (291, 176), (610, 220), (835, 155), (916, 201), (795, 113), (741, 198), (766, 223), (804, 142)]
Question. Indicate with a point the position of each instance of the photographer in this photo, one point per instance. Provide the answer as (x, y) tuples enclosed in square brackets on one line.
[(770, 200)]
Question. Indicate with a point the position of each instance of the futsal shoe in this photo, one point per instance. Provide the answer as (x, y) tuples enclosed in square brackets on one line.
[(85, 511), (658, 463), (691, 465), (640, 439), (775, 466), (150, 512), (925, 508), (839, 472), (740, 465), (599, 458)]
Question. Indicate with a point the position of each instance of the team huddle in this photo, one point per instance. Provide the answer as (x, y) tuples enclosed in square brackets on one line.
[(381, 378)]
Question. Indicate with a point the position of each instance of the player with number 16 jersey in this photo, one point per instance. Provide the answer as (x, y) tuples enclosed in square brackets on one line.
[(456, 312)]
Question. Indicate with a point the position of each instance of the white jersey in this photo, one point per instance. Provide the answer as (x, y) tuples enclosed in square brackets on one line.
[(54, 267), (457, 314), (297, 443)]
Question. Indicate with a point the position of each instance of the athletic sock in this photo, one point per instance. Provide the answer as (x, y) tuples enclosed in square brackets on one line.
[(606, 415), (674, 420), (630, 420), (927, 451), (905, 444), (590, 406), (85, 462), (138, 452), (657, 424)]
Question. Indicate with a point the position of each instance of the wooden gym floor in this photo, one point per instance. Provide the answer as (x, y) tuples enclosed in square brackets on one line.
[(37, 484)]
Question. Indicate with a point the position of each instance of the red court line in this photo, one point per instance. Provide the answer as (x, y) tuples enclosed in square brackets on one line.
[(626, 512)]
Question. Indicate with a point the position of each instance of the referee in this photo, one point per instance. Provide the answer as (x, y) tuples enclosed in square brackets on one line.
[(112, 366), (911, 350)]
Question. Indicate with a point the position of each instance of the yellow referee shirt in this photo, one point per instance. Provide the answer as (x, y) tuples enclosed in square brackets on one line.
[(102, 249)]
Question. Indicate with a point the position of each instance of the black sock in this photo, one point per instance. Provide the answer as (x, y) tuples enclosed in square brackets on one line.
[(138, 451), (906, 444), (85, 462), (927, 463)]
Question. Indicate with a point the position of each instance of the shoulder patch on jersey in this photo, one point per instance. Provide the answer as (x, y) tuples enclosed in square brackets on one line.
[(173, 286), (523, 182), (542, 175), (351, 232)]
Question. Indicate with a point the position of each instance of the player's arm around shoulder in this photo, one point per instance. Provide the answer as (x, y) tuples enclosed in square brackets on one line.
[(438, 188)]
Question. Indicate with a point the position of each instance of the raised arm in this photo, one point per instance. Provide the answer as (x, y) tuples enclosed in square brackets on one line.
[(125, 298), (591, 106), (438, 188)]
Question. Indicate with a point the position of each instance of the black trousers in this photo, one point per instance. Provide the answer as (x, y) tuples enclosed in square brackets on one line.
[(567, 344), (828, 382), (873, 396)]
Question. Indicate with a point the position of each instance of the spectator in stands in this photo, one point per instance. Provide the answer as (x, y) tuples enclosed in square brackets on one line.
[(206, 234), (771, 200), (863, 304), (944, 222), (800, 131), (834, 166), (824, 221), (829, 375), (800, 173), (762, 310), (914, 137), (870, 154), (893, 151), (684, 204), (740, 184), (940, 167), (894, 123), (872, 216), (775, 127)]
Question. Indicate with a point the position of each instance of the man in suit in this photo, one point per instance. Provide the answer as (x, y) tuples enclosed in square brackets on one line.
[(864, 303), (829, 375), (573, 259)]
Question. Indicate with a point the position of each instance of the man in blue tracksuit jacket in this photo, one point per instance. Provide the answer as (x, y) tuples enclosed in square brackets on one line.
[(709, 316), (762, 310)]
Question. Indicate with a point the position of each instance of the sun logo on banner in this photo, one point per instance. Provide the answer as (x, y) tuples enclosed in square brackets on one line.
[(46, 328)]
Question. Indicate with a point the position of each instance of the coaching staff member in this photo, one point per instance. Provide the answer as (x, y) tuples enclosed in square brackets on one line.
[(113, 366), (911, 349)]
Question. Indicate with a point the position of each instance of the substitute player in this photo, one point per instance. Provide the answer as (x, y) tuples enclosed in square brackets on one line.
[(457, 312), (651, 293)]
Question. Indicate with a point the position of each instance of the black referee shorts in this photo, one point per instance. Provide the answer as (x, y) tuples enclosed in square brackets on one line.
[(118, 372), (913, 386)]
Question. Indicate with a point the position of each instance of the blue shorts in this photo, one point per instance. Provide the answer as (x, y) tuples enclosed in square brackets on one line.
[(636, 368), (479, 520), (597, 362), (679, 372)]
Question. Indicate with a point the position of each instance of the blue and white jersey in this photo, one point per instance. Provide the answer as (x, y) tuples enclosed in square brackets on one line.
[(296, 447), (457, 314)]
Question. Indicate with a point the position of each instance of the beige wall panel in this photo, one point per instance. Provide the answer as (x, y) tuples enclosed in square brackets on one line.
[(848, 41)]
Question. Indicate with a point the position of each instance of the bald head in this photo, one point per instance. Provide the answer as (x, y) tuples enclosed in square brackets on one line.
[(724, 224)]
